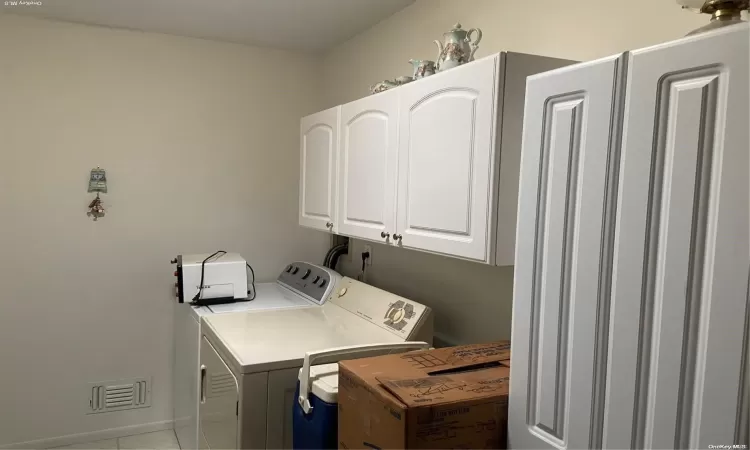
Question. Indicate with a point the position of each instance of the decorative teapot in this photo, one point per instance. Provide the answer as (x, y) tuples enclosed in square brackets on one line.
[(458, 47)]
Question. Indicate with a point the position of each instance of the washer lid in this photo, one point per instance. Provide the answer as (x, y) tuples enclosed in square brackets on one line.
[(267, 296)]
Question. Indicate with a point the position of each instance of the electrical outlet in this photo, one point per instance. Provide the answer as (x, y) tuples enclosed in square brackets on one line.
[(368, 249)]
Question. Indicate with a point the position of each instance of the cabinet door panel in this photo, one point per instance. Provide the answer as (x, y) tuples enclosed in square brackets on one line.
[(566, 207), (680, 277), (318, 159), (447, 161), (367, 180)]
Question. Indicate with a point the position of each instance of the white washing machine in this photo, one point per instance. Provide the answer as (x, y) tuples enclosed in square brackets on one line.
[(284, 293), (250, 362)]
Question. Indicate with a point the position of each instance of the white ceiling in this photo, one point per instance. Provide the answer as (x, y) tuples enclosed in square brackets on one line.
[(301, 25)]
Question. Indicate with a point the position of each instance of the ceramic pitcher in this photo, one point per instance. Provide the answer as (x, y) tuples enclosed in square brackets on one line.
[(457, 47), (422, 68)]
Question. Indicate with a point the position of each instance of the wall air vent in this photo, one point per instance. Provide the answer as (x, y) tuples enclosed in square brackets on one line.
[(119, 395)]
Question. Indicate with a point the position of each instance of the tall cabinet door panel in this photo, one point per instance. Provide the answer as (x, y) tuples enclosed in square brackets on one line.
[(566, 210), (319, 134), (680, 280), (447, 161), (367, 176)]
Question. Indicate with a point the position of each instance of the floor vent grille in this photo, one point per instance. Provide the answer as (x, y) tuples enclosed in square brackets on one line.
[(119, 395)]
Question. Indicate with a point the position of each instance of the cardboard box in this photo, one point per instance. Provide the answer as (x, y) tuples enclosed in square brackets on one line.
[(455, 397)]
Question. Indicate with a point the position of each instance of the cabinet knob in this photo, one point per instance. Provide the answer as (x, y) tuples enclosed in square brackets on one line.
[(384, 235), (397, 237), (329, 224)]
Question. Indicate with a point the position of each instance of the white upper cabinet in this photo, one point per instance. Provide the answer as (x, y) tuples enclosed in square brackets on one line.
[(432, 165), (367, 175), (319, 136), (682, 252), (447, 161), (565, 218)]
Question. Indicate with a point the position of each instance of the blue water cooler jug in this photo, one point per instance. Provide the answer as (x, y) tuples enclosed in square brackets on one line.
[(315, 415)]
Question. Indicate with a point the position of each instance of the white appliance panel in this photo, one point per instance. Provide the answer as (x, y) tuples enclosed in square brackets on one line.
[(388, 311)]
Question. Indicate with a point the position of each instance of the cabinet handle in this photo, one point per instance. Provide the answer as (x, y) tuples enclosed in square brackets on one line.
[(329, 224), (397, 237), (203, 384), (385, 235)]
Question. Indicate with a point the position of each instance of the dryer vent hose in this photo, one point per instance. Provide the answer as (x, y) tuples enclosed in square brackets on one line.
[(333, 255)]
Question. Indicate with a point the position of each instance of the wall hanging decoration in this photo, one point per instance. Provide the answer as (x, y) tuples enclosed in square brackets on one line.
[(98, 184)]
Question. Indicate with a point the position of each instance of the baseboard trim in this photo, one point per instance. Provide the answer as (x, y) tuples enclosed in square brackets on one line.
[(82, 438)]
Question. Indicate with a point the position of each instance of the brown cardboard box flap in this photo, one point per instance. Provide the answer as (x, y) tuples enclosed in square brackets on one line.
[(472, 354), (426, 362), (440, 389), (454, 397)]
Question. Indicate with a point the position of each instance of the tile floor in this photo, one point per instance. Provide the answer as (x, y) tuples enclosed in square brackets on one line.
[(156, 440)]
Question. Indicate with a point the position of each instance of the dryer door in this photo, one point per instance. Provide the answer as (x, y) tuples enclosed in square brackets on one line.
[(219, 401)]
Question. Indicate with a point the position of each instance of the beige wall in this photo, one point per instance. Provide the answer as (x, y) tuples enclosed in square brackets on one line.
[(472, 301), (579, 30), (200, 143)]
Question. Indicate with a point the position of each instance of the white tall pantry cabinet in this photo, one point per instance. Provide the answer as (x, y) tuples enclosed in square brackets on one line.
[(631, 316)]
